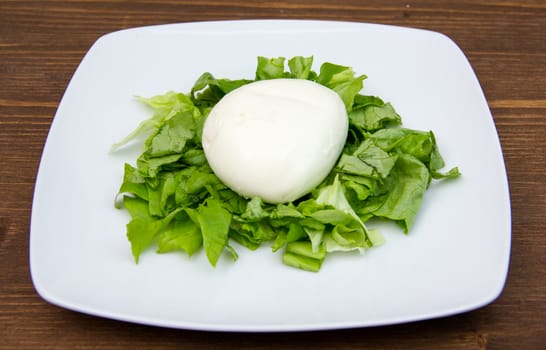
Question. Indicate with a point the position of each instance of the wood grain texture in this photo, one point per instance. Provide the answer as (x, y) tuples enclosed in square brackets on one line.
[(42, 43)]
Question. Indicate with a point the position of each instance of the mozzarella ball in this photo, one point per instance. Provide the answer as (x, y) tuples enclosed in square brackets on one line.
[(276, 139)]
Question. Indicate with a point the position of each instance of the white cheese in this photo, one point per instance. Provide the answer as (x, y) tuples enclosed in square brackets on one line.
[(275, 139)]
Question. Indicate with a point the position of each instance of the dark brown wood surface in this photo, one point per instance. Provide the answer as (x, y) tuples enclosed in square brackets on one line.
[(41, 44)]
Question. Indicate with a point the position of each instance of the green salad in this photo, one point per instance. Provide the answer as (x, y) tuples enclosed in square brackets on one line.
[(177, 203)]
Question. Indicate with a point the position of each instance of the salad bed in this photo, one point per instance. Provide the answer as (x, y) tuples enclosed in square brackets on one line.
[(177, 203)]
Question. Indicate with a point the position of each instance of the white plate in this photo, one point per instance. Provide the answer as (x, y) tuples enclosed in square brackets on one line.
[(455, 259)]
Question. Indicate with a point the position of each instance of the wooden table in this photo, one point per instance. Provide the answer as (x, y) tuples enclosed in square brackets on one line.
[(41, 44)]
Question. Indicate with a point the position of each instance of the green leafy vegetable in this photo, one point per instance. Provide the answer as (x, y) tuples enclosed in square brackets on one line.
[(177, 203), (215, 222)]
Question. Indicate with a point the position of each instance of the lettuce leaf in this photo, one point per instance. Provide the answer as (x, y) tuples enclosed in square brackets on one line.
[(183, 234), (404, 190), (342, 80), (215, 222)]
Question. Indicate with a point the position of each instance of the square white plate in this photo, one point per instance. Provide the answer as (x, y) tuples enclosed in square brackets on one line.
[(455, 258)]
